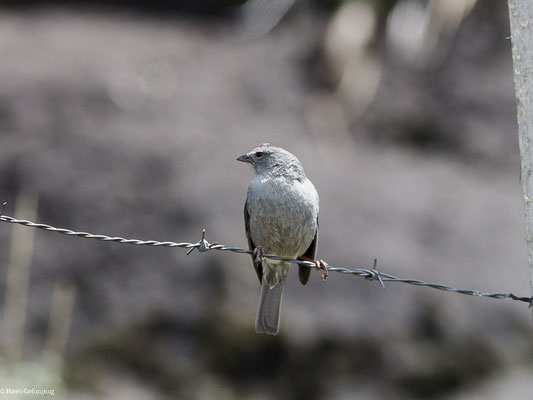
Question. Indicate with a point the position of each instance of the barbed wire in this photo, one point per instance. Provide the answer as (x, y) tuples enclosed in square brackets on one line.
[(203, 245)]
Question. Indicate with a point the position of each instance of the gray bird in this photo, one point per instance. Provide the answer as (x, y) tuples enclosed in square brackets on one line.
[(281, 217)]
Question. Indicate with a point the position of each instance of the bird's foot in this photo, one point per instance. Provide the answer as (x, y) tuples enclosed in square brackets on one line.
[(258, 254), (320, 265), (322, 268)]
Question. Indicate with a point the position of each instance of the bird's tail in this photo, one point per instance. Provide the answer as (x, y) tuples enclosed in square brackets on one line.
[(268, 312)]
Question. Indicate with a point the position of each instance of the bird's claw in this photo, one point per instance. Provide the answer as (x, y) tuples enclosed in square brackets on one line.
[(322, 268), (258, 254), (320, 265)]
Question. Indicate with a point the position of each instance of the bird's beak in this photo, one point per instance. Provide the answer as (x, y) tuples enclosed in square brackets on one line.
[(245, 158)]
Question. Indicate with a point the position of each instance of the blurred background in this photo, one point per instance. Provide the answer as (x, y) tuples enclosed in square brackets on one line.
[(125, 118)]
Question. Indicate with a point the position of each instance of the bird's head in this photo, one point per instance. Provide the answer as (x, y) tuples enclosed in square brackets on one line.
[(269, 160)]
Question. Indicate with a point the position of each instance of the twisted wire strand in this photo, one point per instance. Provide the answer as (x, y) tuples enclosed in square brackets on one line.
[(203, 245)]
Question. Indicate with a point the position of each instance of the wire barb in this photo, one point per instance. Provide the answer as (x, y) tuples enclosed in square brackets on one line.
[(203, 245), (374, 274)]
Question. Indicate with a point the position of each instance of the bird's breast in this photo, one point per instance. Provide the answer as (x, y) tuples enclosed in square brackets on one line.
[(283, 215)]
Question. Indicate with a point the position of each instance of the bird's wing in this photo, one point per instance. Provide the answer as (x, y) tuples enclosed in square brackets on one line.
[(303, 271), (251, 245)]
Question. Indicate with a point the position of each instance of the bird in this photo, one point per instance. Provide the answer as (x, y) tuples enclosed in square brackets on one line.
[(281, 218)]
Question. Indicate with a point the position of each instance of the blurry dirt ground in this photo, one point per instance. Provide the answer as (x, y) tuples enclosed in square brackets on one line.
[(130, 126)]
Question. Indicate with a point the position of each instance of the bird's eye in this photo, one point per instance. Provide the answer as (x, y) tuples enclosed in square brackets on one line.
[(259, 154)]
